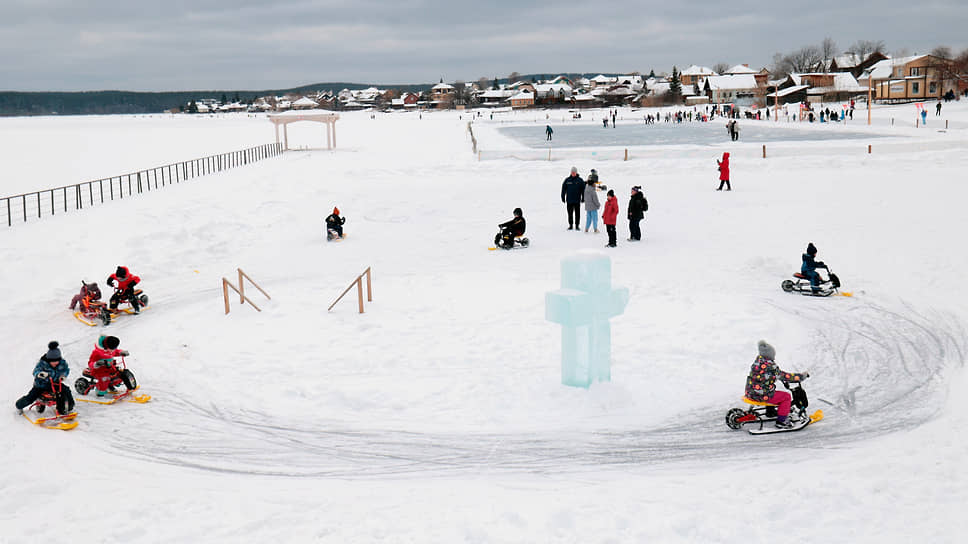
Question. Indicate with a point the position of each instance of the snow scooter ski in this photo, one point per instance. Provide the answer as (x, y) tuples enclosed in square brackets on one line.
[(333, 236), (519, 242), (802, 285), (62, 422), (763, 412)]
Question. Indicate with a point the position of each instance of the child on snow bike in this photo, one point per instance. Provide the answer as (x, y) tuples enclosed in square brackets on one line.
[(102, 368), (334, 225), (810, 266), (510, 230), (761, 383), (49, 373), (89, 292), (124, 290)]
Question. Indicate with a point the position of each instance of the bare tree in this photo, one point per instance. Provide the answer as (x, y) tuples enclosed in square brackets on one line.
[(483, 84), (514, 77), (806, 59), (866, 48), (961, 62), (942, 51), (828, 50), (720, 67), (779, 68)]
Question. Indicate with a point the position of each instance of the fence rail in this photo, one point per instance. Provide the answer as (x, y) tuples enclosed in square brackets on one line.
[(35, 205)]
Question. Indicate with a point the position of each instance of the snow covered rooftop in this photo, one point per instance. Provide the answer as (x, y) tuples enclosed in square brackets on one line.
[(740, 69), (885, 68), (698, 71), (728, 82), (789, 90)]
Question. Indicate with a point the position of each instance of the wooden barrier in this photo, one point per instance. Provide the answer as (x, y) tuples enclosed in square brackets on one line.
[(241, 291), (359, 290)]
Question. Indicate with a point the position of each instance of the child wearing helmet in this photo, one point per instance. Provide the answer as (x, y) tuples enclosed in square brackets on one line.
[(101, 362), (510, 230), (124, 290), (810, 266), (334, 225), (49, 373)]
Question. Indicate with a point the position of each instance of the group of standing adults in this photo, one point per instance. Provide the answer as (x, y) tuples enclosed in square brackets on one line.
[(575, 191)]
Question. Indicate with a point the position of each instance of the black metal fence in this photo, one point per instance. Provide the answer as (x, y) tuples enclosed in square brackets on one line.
[(37, 204)]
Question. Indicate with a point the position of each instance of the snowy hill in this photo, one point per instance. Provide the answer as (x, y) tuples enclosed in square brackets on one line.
[(438, 414)]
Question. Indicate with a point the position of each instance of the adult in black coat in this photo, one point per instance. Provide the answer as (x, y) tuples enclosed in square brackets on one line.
[(573, 194), (638, 205)]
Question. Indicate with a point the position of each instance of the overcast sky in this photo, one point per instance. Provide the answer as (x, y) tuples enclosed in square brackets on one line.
[(67, 45)]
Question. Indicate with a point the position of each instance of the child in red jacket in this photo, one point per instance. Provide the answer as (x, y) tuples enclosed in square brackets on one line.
[(610, 216), (101, 362), (724, 173), (124, 290)]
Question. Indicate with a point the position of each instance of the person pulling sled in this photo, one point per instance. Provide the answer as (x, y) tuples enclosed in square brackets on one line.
[(512, 231), (334, 225)]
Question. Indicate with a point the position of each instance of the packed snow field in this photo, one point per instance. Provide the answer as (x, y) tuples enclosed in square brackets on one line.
[(438, 414)]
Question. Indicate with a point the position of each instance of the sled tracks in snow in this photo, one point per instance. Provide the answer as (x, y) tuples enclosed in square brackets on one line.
[(878, 370)]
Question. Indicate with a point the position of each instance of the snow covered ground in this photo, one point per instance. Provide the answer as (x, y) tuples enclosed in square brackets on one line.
[(438, 415)]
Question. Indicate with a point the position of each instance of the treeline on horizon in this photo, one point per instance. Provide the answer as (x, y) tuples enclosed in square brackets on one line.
[(107, 102)]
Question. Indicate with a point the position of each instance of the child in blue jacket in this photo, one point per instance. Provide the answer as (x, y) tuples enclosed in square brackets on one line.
[(49, 373)]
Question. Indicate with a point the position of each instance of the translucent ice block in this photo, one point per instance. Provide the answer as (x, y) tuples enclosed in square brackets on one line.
[(582, 307)]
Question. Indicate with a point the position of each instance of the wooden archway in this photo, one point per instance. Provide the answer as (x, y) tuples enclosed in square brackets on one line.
[(319, 116)]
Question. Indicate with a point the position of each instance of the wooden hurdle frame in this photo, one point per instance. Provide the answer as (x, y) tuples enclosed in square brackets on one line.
[(241, 291), (359, 290)]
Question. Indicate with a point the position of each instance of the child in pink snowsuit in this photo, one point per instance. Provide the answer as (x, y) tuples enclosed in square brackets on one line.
[(761, 383)]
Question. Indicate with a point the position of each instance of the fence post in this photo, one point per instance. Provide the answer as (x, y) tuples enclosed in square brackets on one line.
[(868, 149), (626, 153), (764, 151)]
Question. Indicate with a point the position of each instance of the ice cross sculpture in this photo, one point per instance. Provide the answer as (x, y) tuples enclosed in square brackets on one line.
[(583, 307)]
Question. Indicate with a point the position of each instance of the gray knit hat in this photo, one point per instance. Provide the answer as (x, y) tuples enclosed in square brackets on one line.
[(766, 350), (53, 352)]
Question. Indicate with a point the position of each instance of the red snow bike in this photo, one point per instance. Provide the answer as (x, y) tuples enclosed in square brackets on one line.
[(60, 421), (119, 375)]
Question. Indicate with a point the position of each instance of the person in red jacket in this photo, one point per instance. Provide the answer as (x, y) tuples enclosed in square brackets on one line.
[(101, 362), (724, 173), (610, 216), (124, 290)]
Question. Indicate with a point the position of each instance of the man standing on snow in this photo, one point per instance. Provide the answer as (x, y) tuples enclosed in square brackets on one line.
[(573, 194)]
